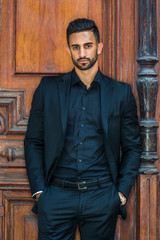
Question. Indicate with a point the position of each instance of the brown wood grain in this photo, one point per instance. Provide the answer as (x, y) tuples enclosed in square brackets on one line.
[(33, 44), (41, 33), (147, 207), (1, 211), (20, 223)]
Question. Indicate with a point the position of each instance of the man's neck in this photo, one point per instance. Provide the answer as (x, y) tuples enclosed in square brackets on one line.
[(87, 76)]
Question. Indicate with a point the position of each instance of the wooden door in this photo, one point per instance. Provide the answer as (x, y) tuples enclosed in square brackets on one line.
[(33, 44)]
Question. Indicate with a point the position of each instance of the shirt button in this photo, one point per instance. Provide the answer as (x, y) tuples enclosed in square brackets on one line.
[(80, 160), (82, 125), (83, 108), (81, 143)]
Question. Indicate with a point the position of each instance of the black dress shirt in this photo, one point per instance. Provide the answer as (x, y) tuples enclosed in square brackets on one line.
[(83, 154)]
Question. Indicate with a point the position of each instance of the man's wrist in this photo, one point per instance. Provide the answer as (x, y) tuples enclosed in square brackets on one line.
[(122, 198), (36, 194)]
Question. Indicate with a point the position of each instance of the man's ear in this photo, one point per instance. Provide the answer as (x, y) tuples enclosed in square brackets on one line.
[(69, 51), (100, 47)]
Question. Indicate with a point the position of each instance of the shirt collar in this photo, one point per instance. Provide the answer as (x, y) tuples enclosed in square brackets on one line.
[(76, 79)]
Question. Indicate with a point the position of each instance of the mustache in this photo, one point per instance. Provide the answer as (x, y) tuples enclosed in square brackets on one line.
[(79, 59)]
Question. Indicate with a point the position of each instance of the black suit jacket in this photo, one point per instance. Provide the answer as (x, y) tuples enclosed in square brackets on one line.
[(48, 122)]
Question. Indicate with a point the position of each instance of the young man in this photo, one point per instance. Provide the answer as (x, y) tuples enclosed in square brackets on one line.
[(78, 123)]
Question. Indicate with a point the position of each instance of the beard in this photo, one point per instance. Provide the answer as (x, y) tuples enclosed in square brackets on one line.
[(85, 66)]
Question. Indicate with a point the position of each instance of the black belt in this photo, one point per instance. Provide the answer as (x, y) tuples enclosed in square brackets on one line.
[(79, 185)]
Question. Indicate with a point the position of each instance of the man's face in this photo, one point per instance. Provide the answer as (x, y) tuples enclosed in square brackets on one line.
[(84, 49)]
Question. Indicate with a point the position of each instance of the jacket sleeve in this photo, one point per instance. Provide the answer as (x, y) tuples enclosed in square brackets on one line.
[(130, 145), (34, 142)]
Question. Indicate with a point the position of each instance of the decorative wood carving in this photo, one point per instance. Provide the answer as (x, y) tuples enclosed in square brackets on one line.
[(12, 153), (19, 205), (12, 105), (20, 212), (147, 85), (2, 125)]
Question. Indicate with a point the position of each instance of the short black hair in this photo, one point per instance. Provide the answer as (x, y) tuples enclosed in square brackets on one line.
[(80, 25)]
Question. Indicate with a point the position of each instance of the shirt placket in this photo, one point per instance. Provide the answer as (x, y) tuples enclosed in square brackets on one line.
[(81, 135)]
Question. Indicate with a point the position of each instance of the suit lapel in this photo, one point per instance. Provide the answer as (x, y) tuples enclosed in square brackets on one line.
[(64, 87), (107, 87), (106, 101)]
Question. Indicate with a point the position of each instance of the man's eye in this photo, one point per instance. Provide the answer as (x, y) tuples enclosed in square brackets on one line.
[(88, 46), (75, 48)]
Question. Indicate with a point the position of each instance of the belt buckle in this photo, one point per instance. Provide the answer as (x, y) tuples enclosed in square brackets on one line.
[(81, 188)]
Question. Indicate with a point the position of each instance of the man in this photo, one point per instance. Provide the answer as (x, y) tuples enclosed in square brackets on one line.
[(77, 125)]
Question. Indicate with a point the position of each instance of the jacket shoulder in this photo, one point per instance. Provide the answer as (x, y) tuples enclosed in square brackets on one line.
[(49, 80), (116, 84)]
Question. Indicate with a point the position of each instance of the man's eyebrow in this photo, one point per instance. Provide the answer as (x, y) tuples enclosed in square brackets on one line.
[(88, 43), (76, 45)]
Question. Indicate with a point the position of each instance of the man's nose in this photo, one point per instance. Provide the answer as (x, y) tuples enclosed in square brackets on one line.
[(82, 53)]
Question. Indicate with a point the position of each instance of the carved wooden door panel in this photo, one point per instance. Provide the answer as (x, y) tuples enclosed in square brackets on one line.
[(33, 44)]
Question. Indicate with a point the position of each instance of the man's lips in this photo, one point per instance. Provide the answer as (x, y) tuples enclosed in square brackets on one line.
[(83, 61)]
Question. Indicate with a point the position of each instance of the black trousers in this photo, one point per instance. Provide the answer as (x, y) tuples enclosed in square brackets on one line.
[(95, 210)]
